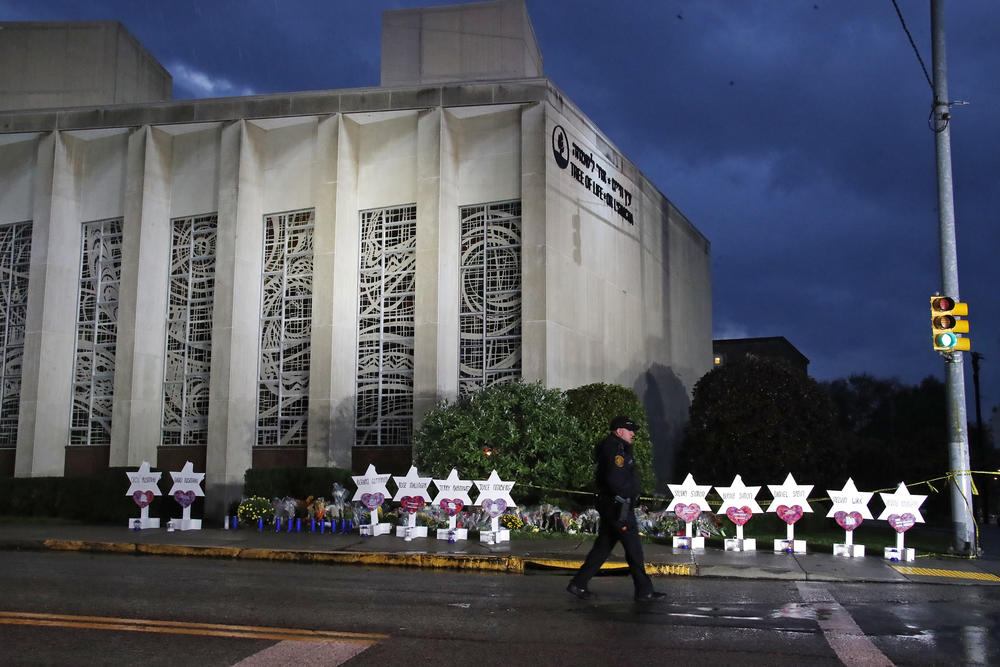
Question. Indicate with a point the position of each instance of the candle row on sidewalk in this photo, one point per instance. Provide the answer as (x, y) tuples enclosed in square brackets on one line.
[(295, 525)]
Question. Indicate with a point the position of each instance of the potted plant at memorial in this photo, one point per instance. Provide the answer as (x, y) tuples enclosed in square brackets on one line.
[(511, 521), (255, 511)]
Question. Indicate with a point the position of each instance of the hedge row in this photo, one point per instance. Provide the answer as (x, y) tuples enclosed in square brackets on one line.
[(97, 499), (101, 498)]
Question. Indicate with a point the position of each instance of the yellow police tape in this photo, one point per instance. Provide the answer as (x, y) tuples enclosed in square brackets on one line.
[(951, 476)]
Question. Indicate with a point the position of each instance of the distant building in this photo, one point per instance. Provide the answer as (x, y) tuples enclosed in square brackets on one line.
[(296, 279), (728, 350), (86, 63)]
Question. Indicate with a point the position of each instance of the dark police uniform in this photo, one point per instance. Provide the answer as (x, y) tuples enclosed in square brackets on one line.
[(617, 481)]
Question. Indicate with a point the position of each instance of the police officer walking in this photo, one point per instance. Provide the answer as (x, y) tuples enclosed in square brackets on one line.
[(617, 493)]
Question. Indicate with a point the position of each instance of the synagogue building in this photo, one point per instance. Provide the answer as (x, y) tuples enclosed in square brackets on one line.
[(295, 279)]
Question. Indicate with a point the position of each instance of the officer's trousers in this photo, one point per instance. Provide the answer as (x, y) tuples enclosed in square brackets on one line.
[(608, 534)]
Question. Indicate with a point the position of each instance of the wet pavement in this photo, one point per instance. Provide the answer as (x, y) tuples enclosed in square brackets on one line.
[(515, 556)]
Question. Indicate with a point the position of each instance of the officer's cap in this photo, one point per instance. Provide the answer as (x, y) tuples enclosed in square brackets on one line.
[(625, 423)]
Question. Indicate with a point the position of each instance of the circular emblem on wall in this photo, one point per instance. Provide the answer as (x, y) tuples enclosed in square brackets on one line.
[(560, 146)]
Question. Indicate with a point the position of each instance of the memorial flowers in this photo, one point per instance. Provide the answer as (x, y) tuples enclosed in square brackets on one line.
[(253, 509), (284, 508), (511, 521), (316, 508)]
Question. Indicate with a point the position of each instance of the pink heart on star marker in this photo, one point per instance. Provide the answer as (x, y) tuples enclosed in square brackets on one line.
[(739, 515), (411, 504), (451, 506), (902, 522), (143, 498), (687, 513), (185, 498), (789, 514), (494, 508), (372, 500), (848, 521)]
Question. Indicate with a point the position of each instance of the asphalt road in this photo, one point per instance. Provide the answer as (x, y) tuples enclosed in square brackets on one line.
[(91, 609)]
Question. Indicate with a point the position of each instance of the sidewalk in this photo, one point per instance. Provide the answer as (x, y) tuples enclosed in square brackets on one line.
[(516, 556)]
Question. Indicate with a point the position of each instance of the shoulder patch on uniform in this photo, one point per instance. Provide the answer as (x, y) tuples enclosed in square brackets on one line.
[(620, 461)]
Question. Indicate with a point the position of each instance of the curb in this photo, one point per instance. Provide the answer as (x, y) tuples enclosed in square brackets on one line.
[(505, 564)]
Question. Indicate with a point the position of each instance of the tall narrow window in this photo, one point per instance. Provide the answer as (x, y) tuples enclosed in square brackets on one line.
[(490, 307), (285, 329), (15, 258), (96, 332), (384, 407), (189, 330)]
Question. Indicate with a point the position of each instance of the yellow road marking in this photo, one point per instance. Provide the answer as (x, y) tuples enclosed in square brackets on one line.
[(651, 568), (662, 568), (955, 574), (186, 628)]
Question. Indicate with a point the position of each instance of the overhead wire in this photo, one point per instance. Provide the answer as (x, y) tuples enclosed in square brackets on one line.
[(932, 123), (913, 44)]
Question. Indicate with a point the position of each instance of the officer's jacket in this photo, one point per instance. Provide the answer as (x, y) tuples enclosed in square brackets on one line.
[(616, 474)]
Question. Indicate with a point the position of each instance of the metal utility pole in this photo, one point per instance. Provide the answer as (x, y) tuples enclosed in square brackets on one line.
[(958, 437)]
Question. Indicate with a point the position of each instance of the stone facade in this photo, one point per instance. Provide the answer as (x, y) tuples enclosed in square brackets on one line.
[(612, 282)]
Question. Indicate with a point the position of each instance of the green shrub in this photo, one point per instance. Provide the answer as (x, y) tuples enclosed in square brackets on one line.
[(96, 499), (595, 405), (521, 430)]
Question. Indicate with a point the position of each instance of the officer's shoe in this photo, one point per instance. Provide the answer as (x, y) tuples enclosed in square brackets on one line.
[(581, 593), (651, 596)]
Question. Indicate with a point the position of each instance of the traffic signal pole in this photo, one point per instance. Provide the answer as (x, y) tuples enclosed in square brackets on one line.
[(958, 436)]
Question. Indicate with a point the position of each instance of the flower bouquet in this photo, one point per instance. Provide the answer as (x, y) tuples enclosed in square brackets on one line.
[(255, 511)]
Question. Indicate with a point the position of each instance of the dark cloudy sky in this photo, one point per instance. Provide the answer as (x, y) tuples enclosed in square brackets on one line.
[(793, 133)]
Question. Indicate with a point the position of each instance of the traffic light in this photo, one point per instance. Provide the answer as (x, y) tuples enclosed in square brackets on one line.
[(946, 325)]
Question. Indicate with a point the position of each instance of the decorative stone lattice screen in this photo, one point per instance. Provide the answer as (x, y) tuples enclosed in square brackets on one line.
[(15, 258), (490, 308), (384, 404), (285, 329), (189, 330), (96, 332)]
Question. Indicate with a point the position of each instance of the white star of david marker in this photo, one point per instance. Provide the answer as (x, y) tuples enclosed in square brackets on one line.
[(738, 495), (790, 494), (494, 489), (371, 482), (689, 492), (412, 485), (901, 502), (452, 488), (143, 480), (849, 499), (187, 480)]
